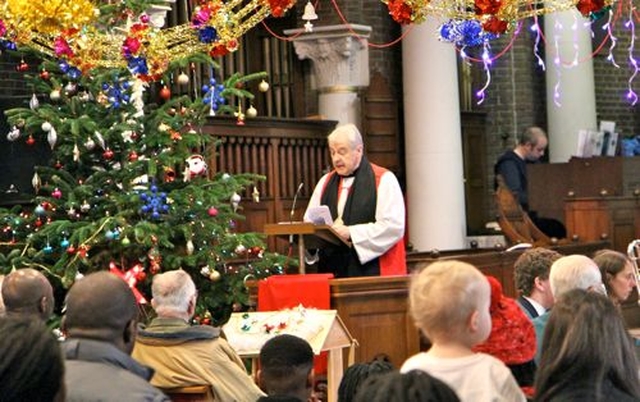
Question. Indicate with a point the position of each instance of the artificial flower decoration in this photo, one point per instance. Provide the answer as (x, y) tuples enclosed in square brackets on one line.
[(400, 11), (495, 25), (487, 6), (587, 7)]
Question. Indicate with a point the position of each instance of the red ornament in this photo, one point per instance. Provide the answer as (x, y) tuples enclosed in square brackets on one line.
[(133, 156), (212, 211), (165, 93), (22, 67), (38, 223), (44, 74), (71, 250), (30, 140), (56, 193), (58, 165), (107, 154)]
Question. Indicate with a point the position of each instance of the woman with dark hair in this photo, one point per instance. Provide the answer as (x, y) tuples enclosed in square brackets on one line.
[(618, 274), (413, 386), (587, 354), (31, 367)]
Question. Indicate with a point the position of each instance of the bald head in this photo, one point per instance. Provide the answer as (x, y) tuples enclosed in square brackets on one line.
[(574, 272), (27, 292), (100, 306)]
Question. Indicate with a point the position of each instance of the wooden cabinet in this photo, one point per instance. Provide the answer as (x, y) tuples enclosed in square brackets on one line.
[(596, 218)]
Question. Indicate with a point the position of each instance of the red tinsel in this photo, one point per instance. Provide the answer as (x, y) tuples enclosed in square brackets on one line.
[(589, 6), (400, 11), (495, 25)]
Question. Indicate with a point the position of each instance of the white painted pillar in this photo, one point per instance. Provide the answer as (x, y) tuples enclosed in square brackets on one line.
[(340, 67), (434, 161), (570, 82)]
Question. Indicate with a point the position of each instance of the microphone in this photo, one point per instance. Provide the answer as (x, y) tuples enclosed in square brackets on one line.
[(295, 199), (293, 208)]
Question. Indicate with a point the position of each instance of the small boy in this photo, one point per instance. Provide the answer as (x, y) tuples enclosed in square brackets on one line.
[(449, 302)]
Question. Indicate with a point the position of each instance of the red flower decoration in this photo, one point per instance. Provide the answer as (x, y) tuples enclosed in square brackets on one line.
[(487, 6), (62, 48), (495, 25), (130, 47), (279, 7), (400, 11), (589, 6), (218, 50)]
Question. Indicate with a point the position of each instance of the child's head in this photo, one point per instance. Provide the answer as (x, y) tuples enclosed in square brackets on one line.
[(450, 299)]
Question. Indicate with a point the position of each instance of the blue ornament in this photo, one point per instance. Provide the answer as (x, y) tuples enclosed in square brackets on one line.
[(63, 66), (40, 211), (48, 249), (154, 203), (64, 243)]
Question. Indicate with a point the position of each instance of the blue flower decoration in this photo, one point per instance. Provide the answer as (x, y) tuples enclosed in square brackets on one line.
[(138, 65), (155, 203), (207, 35), (464, 33)]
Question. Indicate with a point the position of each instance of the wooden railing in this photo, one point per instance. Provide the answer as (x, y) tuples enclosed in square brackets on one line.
[(286, 151)]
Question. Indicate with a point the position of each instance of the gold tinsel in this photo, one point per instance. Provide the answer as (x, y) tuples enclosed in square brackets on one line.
[(38, 23), (48, 16)]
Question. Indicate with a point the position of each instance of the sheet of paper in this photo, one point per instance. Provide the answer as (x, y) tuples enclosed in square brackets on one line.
[(320, 215)]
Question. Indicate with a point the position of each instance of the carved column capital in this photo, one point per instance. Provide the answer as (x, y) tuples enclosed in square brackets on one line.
[(339, 53)]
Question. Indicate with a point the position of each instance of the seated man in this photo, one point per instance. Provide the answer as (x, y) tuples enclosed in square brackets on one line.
[(286, 368), (100, 324), (28, 292), (531, 275), (184, 355)]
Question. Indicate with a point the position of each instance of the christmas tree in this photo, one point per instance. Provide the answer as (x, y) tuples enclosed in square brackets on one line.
[(127, 188)]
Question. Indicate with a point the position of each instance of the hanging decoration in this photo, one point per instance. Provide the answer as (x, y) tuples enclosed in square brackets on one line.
[(132, 276), (71, 30)]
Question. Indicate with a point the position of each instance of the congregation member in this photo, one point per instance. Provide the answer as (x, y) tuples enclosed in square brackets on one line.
[(512, 167), (618, 274), (28, 292), (449, 302), (367, 207), (512, 338), (357, 374), (414, 386), (567, 273), (587, 354), (101, 325), (286, 369), (531, 276), (31, 367), (184, 355)]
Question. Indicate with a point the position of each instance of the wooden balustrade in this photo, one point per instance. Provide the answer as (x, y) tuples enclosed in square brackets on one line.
[(287, 152)]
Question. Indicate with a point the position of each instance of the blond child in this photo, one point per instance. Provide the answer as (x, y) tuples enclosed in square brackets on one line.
[(449, 302)]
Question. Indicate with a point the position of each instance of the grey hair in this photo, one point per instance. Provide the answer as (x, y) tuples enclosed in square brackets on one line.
[(350, 131), (531, 136), (172, 291), (574, 272)]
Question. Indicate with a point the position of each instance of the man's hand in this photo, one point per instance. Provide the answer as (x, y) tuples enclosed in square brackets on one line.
[(342, 231)]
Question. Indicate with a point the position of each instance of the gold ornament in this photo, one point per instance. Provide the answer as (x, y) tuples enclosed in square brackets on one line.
[(214, 275)]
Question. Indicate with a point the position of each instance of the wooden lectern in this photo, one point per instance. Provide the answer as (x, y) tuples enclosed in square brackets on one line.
[(307, 235)]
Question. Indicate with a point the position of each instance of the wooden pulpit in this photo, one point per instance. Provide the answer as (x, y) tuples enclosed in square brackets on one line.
[(306, 235)]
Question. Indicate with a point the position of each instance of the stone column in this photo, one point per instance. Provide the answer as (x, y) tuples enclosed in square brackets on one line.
[(433, 141), (340, 67), (574, 84)]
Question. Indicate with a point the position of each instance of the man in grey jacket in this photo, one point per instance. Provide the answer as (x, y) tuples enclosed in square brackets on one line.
[(100, 323)]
